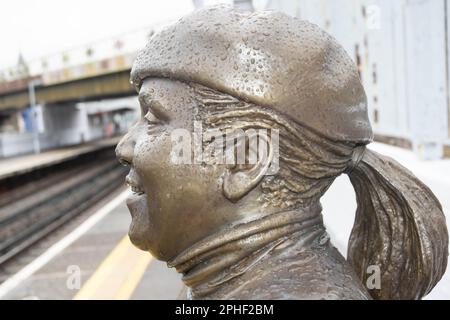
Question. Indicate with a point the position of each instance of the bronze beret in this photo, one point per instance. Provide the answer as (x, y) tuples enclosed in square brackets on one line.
[(267, 58)]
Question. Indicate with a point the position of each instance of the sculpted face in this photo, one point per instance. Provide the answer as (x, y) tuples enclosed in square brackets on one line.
[(172, 205)]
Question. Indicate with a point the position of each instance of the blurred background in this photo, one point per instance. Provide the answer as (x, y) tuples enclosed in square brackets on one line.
[(65, 100)]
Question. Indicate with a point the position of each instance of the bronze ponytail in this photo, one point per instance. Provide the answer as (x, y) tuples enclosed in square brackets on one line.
[(399, 227)]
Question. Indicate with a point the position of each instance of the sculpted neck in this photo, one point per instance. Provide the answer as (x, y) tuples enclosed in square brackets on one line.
[(229, 253)]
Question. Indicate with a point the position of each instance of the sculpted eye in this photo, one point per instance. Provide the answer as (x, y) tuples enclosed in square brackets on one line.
[(151, 118)]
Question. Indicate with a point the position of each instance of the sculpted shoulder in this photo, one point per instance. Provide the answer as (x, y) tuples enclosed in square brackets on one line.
[(294, 274)]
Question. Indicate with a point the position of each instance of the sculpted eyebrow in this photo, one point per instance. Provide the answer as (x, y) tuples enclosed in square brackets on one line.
[(144, 98)]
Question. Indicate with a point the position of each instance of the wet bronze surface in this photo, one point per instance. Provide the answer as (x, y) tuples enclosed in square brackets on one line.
[(239, 232)]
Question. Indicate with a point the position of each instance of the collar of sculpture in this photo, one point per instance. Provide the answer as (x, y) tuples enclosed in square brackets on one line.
[(227, 254)]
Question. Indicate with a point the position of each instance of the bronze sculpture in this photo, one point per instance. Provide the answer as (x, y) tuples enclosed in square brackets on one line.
[(236, 232)]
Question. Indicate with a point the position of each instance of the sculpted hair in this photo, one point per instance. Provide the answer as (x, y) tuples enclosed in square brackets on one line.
[(399, 224)]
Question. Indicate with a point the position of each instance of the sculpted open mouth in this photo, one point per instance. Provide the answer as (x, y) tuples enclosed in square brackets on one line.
[(137, 190), (138, 207), (137, 200), (135, 187)]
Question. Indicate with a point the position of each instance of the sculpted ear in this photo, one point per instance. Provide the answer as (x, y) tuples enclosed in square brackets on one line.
[(240, 178)]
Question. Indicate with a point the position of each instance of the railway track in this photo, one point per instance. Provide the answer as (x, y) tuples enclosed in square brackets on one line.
[(33, 209)]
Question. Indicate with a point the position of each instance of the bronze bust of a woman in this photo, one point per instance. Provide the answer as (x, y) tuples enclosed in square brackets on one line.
[(239, 231)]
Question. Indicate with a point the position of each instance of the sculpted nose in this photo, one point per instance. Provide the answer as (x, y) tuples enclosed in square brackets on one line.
[(125, 149)]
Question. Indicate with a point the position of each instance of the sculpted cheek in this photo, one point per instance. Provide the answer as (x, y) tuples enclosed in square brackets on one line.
[(151, 155)]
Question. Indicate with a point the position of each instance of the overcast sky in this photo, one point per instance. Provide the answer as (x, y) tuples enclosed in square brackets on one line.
[(40, 27)]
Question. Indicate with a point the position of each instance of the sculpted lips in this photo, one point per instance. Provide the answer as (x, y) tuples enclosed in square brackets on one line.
[(135, 187), (137, 201)]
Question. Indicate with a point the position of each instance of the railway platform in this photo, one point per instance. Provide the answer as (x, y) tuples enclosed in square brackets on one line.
[(96, 260), (22, 164)]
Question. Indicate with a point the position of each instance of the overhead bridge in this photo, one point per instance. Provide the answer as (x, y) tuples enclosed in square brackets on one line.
[(114, 84)]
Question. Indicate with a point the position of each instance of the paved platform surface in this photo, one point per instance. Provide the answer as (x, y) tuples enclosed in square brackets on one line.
[(107, 264), (111, 268), (21, 164)]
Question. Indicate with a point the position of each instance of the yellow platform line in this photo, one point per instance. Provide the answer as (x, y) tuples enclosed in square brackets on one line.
[(118, 275)]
